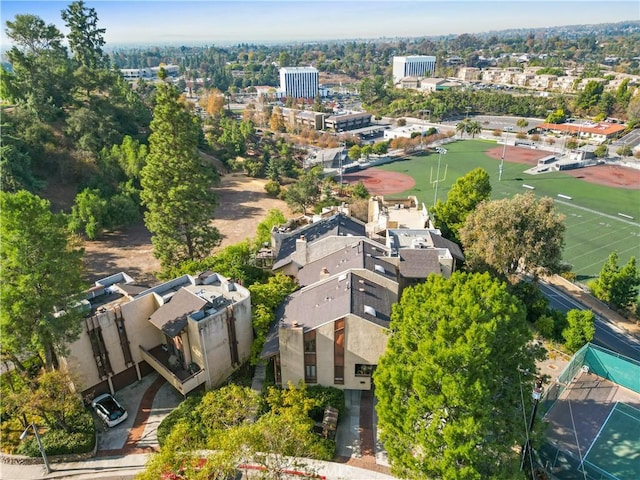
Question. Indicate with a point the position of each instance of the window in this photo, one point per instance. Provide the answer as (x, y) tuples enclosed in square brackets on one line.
[(338, 352), (363, 370), (309, 339)]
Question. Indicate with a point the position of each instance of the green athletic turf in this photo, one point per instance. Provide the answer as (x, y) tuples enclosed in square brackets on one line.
[(615, 450), (594, 228)]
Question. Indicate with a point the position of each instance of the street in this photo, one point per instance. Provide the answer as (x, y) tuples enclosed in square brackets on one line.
[(607, 334)]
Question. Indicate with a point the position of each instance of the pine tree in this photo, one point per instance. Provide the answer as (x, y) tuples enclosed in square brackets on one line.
[(41, 273), (176, 185)]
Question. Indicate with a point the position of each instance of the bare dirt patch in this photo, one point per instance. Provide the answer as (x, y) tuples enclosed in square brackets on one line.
[(607, 175), (243, 203), (381, 182)]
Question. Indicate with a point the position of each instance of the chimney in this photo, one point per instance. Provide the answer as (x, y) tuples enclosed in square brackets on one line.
[(301, 250), (324, 273)]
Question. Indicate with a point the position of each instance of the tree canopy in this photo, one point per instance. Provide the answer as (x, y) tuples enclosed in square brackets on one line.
[(463, 197), (615, 285), (40, 279), (448, 385), (176, 185), (522, 233)]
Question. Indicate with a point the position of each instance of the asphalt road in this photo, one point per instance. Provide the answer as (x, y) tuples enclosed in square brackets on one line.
[(608, 334)]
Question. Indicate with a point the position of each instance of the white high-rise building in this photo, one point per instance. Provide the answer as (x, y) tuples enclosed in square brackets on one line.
[(299, 82), (413, 66)]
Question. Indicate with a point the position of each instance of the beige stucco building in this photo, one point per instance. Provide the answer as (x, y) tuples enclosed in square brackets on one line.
[(193, 330)]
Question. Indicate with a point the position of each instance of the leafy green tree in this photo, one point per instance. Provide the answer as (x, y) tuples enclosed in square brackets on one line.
[(462, 126), (380, 148), (40, 279), (85, 38), (89, 214), (448, 385), (580, 329), (359, 190), (601, 151), (176, 186), (41, 71), (518, 234), (617, 286), (305, 191), (590, 96), (624, 151), (463, 197), (274, 218), (556, 117), (265, 299), (355, 152)]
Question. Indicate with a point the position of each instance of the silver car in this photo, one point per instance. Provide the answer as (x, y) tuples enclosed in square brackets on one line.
[(109, 410)]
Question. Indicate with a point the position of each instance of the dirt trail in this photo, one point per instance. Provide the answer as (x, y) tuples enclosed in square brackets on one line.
[(243, 203)]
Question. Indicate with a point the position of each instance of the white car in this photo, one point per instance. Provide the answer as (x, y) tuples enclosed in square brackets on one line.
[(109, 410)]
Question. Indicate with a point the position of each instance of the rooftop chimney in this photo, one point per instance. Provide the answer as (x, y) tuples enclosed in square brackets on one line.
[(301, 250)]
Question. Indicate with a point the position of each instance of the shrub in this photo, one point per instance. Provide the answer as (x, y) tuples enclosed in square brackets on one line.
[(545, 326), (272, 188), (325, 397)]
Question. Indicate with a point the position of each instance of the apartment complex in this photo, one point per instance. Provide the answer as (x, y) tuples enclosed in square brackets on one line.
[(413, 66), (194, 331), (299, 82), (333, 331)]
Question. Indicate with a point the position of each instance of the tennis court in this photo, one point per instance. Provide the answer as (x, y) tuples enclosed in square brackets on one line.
[(594, 431), (616, 449)]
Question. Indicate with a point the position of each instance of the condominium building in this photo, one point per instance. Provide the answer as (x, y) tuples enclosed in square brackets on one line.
[(299, 82), (413, 66)]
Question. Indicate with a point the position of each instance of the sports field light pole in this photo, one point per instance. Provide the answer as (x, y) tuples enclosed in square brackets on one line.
[(441, 151), (504, 151), (536, 395), (23, 435)]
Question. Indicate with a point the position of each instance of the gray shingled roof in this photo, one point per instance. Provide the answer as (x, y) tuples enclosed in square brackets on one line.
[(329, 300), (171, 317), (418, 262), (440, 242), (338, 224), (359, 254)]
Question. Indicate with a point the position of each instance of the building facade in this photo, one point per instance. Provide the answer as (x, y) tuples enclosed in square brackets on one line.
[(299, 82), (413, 66), (194, 331)]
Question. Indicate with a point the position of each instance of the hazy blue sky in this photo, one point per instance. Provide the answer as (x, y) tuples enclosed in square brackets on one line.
[(233, 21)]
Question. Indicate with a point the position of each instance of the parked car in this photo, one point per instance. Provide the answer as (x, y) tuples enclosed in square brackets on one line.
[(109, 410)]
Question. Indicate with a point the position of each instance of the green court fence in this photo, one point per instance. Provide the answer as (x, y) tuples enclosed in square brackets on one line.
[(617, 368), (614, 367)]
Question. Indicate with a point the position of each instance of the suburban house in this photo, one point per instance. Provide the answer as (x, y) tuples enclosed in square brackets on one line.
[(334, 331), (193, 330)]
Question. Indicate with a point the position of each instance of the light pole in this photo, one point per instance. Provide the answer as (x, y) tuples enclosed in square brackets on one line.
[(536, 395), (23, 435), (441, 151), (504, 151)]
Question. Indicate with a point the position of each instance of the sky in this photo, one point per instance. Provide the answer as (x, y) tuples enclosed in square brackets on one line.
[(217, 22)]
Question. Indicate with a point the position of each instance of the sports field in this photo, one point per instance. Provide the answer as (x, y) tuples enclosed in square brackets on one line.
[(595, 227)]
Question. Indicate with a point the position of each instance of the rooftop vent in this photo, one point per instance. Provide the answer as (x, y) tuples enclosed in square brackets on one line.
[(370, 310)]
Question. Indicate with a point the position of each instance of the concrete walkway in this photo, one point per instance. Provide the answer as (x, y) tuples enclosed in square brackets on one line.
[(123, 451)]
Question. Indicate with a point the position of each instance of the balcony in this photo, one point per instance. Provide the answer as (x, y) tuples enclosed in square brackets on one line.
[(182, 379)]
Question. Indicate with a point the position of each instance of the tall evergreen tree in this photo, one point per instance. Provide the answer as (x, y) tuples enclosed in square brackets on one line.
[(40, 274), (448, 385), (177, 185), (85, 38)]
